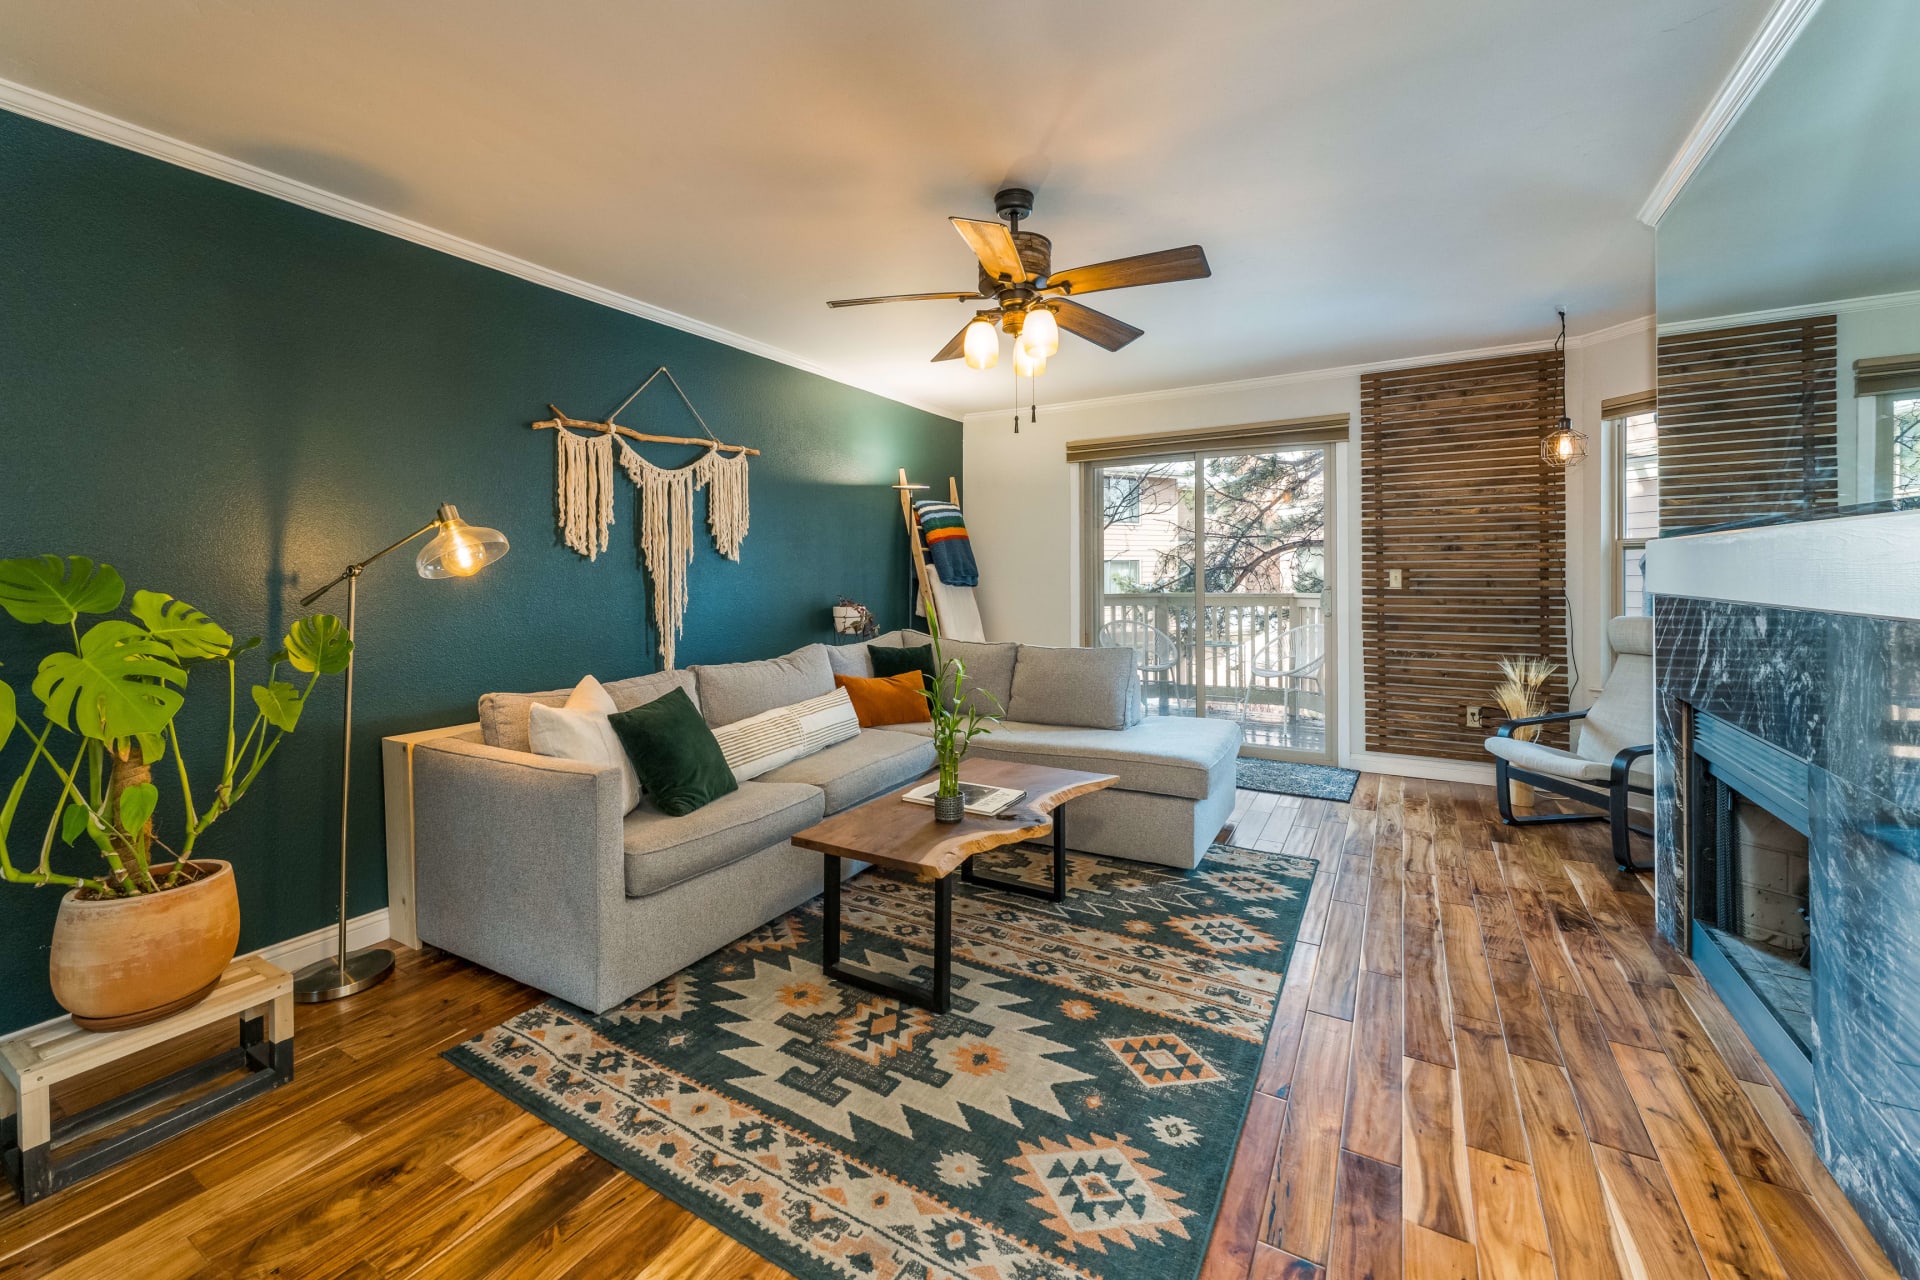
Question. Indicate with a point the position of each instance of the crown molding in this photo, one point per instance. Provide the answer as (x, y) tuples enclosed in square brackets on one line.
[(1763, 53), (1872, 302), (71, 116), (1625, 329)]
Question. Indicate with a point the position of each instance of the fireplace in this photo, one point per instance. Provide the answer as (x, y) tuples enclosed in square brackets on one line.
[(1752, 922)]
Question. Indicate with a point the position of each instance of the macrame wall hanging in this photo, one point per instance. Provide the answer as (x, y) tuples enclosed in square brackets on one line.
[(584, 500)]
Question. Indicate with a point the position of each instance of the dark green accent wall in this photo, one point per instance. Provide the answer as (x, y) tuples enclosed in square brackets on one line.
[(229, 397)]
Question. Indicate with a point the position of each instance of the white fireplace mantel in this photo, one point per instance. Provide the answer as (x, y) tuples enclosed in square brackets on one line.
[(1867, 564)]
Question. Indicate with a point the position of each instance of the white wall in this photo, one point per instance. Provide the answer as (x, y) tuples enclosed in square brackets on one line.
[(1022, 502)]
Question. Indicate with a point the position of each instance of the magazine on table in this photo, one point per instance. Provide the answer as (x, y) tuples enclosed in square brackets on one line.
[(981, 799)]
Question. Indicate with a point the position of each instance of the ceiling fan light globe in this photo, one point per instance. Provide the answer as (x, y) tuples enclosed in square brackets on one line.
[(1025, 363), (1041, 334), (981, 346)]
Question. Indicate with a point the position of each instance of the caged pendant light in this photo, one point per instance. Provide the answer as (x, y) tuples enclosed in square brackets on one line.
[(1562, 446)]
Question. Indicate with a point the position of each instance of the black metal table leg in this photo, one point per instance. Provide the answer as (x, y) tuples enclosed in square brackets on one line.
[(1056, 892), (936, 996)]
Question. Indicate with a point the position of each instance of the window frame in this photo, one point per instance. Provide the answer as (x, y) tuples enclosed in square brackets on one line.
[(1619, 542)]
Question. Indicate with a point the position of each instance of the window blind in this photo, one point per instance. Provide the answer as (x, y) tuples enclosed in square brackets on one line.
[(1747, 422), (1455, 496), (1251, 437), (1883, 375), (1627, 406)]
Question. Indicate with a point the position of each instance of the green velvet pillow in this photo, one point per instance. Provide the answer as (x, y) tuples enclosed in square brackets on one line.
[(675, 754), (889, 661)]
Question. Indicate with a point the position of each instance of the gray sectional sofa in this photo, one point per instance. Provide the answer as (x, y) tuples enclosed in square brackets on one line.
[(526, 864)]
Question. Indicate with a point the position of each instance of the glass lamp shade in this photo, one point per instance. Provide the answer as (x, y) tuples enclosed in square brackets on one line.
[(1041, 334), (981, 345), (459, 549), (1025, 363)]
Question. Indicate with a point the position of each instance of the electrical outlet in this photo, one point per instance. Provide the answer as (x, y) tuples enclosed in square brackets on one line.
[(1394, 582), (1473, 717)]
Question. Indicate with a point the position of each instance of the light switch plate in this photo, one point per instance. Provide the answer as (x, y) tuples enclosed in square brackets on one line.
[(1394, 582), (1473, 717)]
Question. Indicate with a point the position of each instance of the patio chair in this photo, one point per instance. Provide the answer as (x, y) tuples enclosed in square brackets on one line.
[(1296, 661), (1157, 652), (1609, 765)]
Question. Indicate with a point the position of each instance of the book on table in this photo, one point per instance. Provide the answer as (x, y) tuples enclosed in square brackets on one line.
[(981, 799)]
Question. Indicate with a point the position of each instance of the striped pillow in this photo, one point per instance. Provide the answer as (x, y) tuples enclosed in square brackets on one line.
[(764, 742)]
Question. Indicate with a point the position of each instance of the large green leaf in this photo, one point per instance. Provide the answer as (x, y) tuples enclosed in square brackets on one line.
[(9, 715), (280, 703), (319, 643), (188, 632), (120, 685), (49, 589)]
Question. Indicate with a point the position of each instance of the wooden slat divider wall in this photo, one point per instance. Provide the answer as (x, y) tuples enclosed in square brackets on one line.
[(1747, 422), (1455, 495)]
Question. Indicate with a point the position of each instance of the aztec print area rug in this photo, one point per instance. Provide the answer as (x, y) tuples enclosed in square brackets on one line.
[(1314, 781), (1073, 1116)]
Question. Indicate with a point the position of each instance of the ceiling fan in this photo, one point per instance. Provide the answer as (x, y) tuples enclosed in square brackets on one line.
[(1034, 302)]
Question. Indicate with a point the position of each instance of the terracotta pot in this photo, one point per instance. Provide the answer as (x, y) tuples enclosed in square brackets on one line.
[(119, 962)]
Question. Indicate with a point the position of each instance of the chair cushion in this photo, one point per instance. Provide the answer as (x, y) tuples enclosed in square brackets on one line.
[(1555, 763), (1163, 755), (1622, 716), (860, 768), (503, 716), (733, 691), (882, 700), (1089, 688), (989, 670), (662, 851), (1630, 633)]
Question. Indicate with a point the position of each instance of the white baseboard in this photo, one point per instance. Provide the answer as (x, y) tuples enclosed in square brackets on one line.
[(1419, 767), (290, 953)]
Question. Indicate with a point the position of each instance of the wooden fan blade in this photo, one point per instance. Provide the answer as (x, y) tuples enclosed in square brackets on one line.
[(992, 243), (1167, 265), (1096, 327), (956, 348), (901, 297)]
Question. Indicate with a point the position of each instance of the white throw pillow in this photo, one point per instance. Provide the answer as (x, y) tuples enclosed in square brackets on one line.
[(762, 743), (579, 731)]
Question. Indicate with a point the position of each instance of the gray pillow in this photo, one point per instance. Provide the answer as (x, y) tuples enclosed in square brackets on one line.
[(850, 660), (503, 716), (989, 670), (1087, 688), (733, 691)]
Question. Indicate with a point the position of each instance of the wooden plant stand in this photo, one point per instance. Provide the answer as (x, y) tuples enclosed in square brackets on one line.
[(256, 992)]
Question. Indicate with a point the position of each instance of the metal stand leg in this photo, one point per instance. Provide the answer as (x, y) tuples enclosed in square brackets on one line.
[(936, 996), (1056, 892), (830, 938)]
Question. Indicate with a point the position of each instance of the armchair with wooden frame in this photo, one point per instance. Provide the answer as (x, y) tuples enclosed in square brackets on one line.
[(1611, 762)]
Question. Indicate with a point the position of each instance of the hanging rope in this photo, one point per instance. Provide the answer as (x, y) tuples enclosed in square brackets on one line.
[(584, 491), (666, 541), (725, 478)]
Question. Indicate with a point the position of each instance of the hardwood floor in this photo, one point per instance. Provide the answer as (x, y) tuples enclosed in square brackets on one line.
[(1484, 1064)]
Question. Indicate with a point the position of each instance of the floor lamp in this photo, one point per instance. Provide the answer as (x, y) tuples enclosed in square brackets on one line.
[(458, 550)]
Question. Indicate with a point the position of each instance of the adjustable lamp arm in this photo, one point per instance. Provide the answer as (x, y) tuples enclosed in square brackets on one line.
[(354, 570)]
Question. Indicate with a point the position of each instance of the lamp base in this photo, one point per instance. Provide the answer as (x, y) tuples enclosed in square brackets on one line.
[(326, 980)]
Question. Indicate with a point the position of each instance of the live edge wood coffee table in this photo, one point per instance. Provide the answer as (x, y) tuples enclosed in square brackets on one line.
[(888, 832)]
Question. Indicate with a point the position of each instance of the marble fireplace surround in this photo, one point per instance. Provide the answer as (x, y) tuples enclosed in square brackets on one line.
[(1792, 638)]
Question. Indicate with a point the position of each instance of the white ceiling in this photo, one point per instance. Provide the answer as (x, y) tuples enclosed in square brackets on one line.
[(1371, 179)]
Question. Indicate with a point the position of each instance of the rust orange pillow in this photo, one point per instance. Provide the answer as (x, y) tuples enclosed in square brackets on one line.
[(879, 700)]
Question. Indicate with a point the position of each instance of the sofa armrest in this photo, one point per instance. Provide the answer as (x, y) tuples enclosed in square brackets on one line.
[(519, 863)]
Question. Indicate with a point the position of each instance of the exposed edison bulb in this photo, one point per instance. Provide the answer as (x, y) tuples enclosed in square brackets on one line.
[(1563, 446), (981, 345), (1041, 334), (1025, 364), (459, 550)]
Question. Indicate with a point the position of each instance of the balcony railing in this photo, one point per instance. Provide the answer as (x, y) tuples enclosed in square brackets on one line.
[(1222, 649)]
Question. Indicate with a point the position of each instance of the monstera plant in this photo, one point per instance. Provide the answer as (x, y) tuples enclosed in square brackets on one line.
[(148, 928)]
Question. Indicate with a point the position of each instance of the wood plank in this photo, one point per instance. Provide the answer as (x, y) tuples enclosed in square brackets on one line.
[(1373, 1087), (1729, 1040), (1614, 1002), (1807, 1244), (1825, 1192), (1509, 1231), (1236, 1228), (1522, 1016), (1429, 1255), (1606, 1107), (1313, 921), (1469, 984), (1491, 1118), (1433, 1149), (1299, 1215), (1732, 1243), (1630, 949), (1386, 916), (1337, 972), (1366, 1220), (1289, 1018), (1743, 1137), (1270, 1263), (1427, 1020), (1650, 1234), (1563, 1166)]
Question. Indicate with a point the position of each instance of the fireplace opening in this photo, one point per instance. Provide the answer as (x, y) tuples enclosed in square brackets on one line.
[(1754, 936)]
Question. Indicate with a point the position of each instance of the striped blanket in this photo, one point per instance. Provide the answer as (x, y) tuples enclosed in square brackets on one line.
[(945, 533)]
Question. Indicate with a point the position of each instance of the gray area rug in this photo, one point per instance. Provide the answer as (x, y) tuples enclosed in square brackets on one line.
[(1314, 781)]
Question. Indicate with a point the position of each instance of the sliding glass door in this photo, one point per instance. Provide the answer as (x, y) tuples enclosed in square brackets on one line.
[(1214, 568)]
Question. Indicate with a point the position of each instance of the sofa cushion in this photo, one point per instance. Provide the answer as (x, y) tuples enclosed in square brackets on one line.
[(883, 700), (1089, 688), (891, 660), (679, 761), (856, 659), (733, 691), (662, 851), (760, 744), (989, 671), (1164, 755), (503, 716), (579, 731), (876, 761)]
